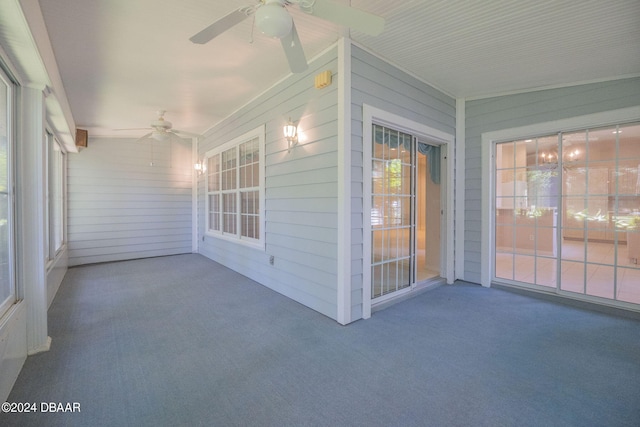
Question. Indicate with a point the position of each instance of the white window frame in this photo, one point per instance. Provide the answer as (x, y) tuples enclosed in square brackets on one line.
[(11, 214), (257, 133), (55, 164), (375, 115)]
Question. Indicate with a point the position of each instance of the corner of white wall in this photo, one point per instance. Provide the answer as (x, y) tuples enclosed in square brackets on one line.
[(460, 165), (344, 182)]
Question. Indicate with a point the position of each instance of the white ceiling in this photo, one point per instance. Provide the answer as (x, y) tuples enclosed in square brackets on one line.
[(121, 60)]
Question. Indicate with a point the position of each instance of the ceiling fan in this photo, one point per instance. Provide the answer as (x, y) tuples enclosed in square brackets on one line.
[(273, 20), (162, 130)]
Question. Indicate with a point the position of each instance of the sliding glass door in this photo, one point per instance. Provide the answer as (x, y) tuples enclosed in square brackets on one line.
[(392, 201), (567, 212), (406, 212)]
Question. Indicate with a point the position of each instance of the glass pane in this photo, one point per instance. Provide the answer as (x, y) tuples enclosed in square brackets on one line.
[(214, 221), (599, 251), (5, 259), (249, 214), (628, 142), (254, 181), (229, 213), (524, 269), (574, 147), (574, 219), (7, 290), (628, 285), (525, 240), (602, 144), (505, 217), (228, 168), (546, 241), (214, 212), (56, 195), (244, 171), (213, 173), (249, 201), (547, 151), (504, 238), (249, 158), (600, 281), (598, 180), (505, 157), (249, 152), (546, 272), (572, 276), (377, 254), (627, 180), (597, 213), (542, 187), (573, 249), (504, 265), (575, 180)]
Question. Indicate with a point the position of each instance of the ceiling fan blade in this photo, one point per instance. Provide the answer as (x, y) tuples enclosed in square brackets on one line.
[(294, 52), (143, 137), (220, 26), (185, 134), (347, 16)]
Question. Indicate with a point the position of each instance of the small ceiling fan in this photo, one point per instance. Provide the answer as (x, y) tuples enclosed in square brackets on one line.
[(162, 130), (273, 20)]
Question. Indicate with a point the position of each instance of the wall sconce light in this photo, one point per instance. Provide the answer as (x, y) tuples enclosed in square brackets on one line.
[(200, 167), (291, 134)]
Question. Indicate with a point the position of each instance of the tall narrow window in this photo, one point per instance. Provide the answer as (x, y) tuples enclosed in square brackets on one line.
[(56, 195), (7, 279), (235, 191)]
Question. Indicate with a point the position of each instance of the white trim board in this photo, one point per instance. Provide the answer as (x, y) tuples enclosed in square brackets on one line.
[(372, 115), (344, 182), (489, 139), (459, 201)]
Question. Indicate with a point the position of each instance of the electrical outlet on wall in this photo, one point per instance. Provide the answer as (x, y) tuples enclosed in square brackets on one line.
[(272, 259)]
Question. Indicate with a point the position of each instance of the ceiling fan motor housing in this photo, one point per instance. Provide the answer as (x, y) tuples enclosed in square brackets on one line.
[(273, 20), (161, 125)]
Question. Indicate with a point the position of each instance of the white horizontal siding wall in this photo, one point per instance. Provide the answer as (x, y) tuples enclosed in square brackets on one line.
[(505, 112), (381, 85), (300, 190), (122, 207)]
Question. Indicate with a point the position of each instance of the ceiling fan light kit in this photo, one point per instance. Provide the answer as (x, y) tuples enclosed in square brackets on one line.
[(273, 20)]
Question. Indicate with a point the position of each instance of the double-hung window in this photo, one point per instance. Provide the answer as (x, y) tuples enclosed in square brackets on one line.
[(235, 189)]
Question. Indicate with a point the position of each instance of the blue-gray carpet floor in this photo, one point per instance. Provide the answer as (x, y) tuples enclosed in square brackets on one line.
[(183, 341)]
